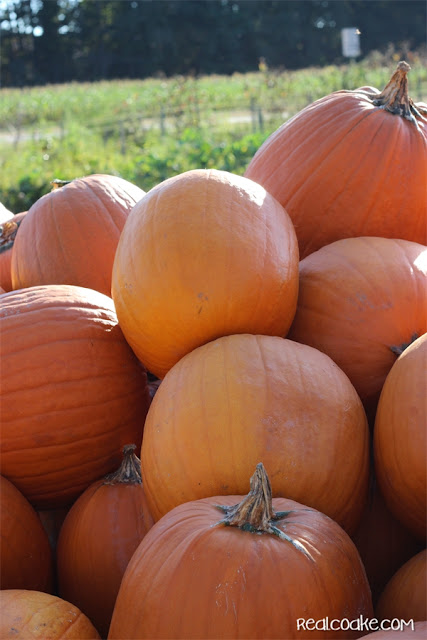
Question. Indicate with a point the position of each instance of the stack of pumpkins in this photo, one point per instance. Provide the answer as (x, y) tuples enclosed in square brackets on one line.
[(263, 333)]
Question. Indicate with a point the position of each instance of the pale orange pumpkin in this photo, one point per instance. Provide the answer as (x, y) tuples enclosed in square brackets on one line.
[(70, 234), (361, 301), (98, 537), (203, 254), (241, 567), (33, 615), (353, 163), (400, 438), (72, 391), (242, 397)]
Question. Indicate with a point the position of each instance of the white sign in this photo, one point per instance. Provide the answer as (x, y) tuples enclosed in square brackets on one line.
[(350, 39)]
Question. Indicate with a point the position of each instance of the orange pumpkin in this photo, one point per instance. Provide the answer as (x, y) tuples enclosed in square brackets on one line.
[(242, 398), (203, 254), (26, 560), (240, 567), (99, 535), (72, 392), (70, 235), (400, 438), (351, 164), (33, 615), (361, 300), (405, 595)]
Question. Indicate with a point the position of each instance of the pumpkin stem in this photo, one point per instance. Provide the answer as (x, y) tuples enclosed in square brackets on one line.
[(8, 232), (395, 97), (399, 349), (255, 512), (129, 471), (57, 183)]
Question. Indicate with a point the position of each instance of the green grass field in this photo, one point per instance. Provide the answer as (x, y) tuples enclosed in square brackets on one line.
[(148, 130)]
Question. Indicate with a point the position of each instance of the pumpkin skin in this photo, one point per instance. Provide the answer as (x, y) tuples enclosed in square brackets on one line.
[(98, 537), (419, 632), (400, 440), (360, 300), (203, 254), (323, 166), (70, 234), (8, 231), (192, 577), (72, 392), (26, 559), (29, 614), (405, 595), (242, 398)]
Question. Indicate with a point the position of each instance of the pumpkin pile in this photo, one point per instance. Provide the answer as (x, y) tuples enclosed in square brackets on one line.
[(213, 418)]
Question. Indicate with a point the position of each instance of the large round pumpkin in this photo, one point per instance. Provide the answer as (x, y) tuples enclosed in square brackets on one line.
[(203, 254), (361, 301), (242, 398), (400, 438), (241, 567), (353, 163), (70, 235), (33, 615), (98, 537), (26, 560), (72, 392), (405, 595)]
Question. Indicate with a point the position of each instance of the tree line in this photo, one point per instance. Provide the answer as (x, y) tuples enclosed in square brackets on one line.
[(55, 41)]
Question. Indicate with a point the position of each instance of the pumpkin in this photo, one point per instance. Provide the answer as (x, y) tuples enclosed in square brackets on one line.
[(400, 441), (70, 234), (8, 230), (240, 567), (415, 631), (203, 254), (405, 595), (242, 398), (72, 392), (353, 163), (382, 541), (28, 615), (26, 559), (98, 537), (361, 300)]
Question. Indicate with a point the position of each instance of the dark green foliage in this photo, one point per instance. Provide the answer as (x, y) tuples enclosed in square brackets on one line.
[(89, 40)]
